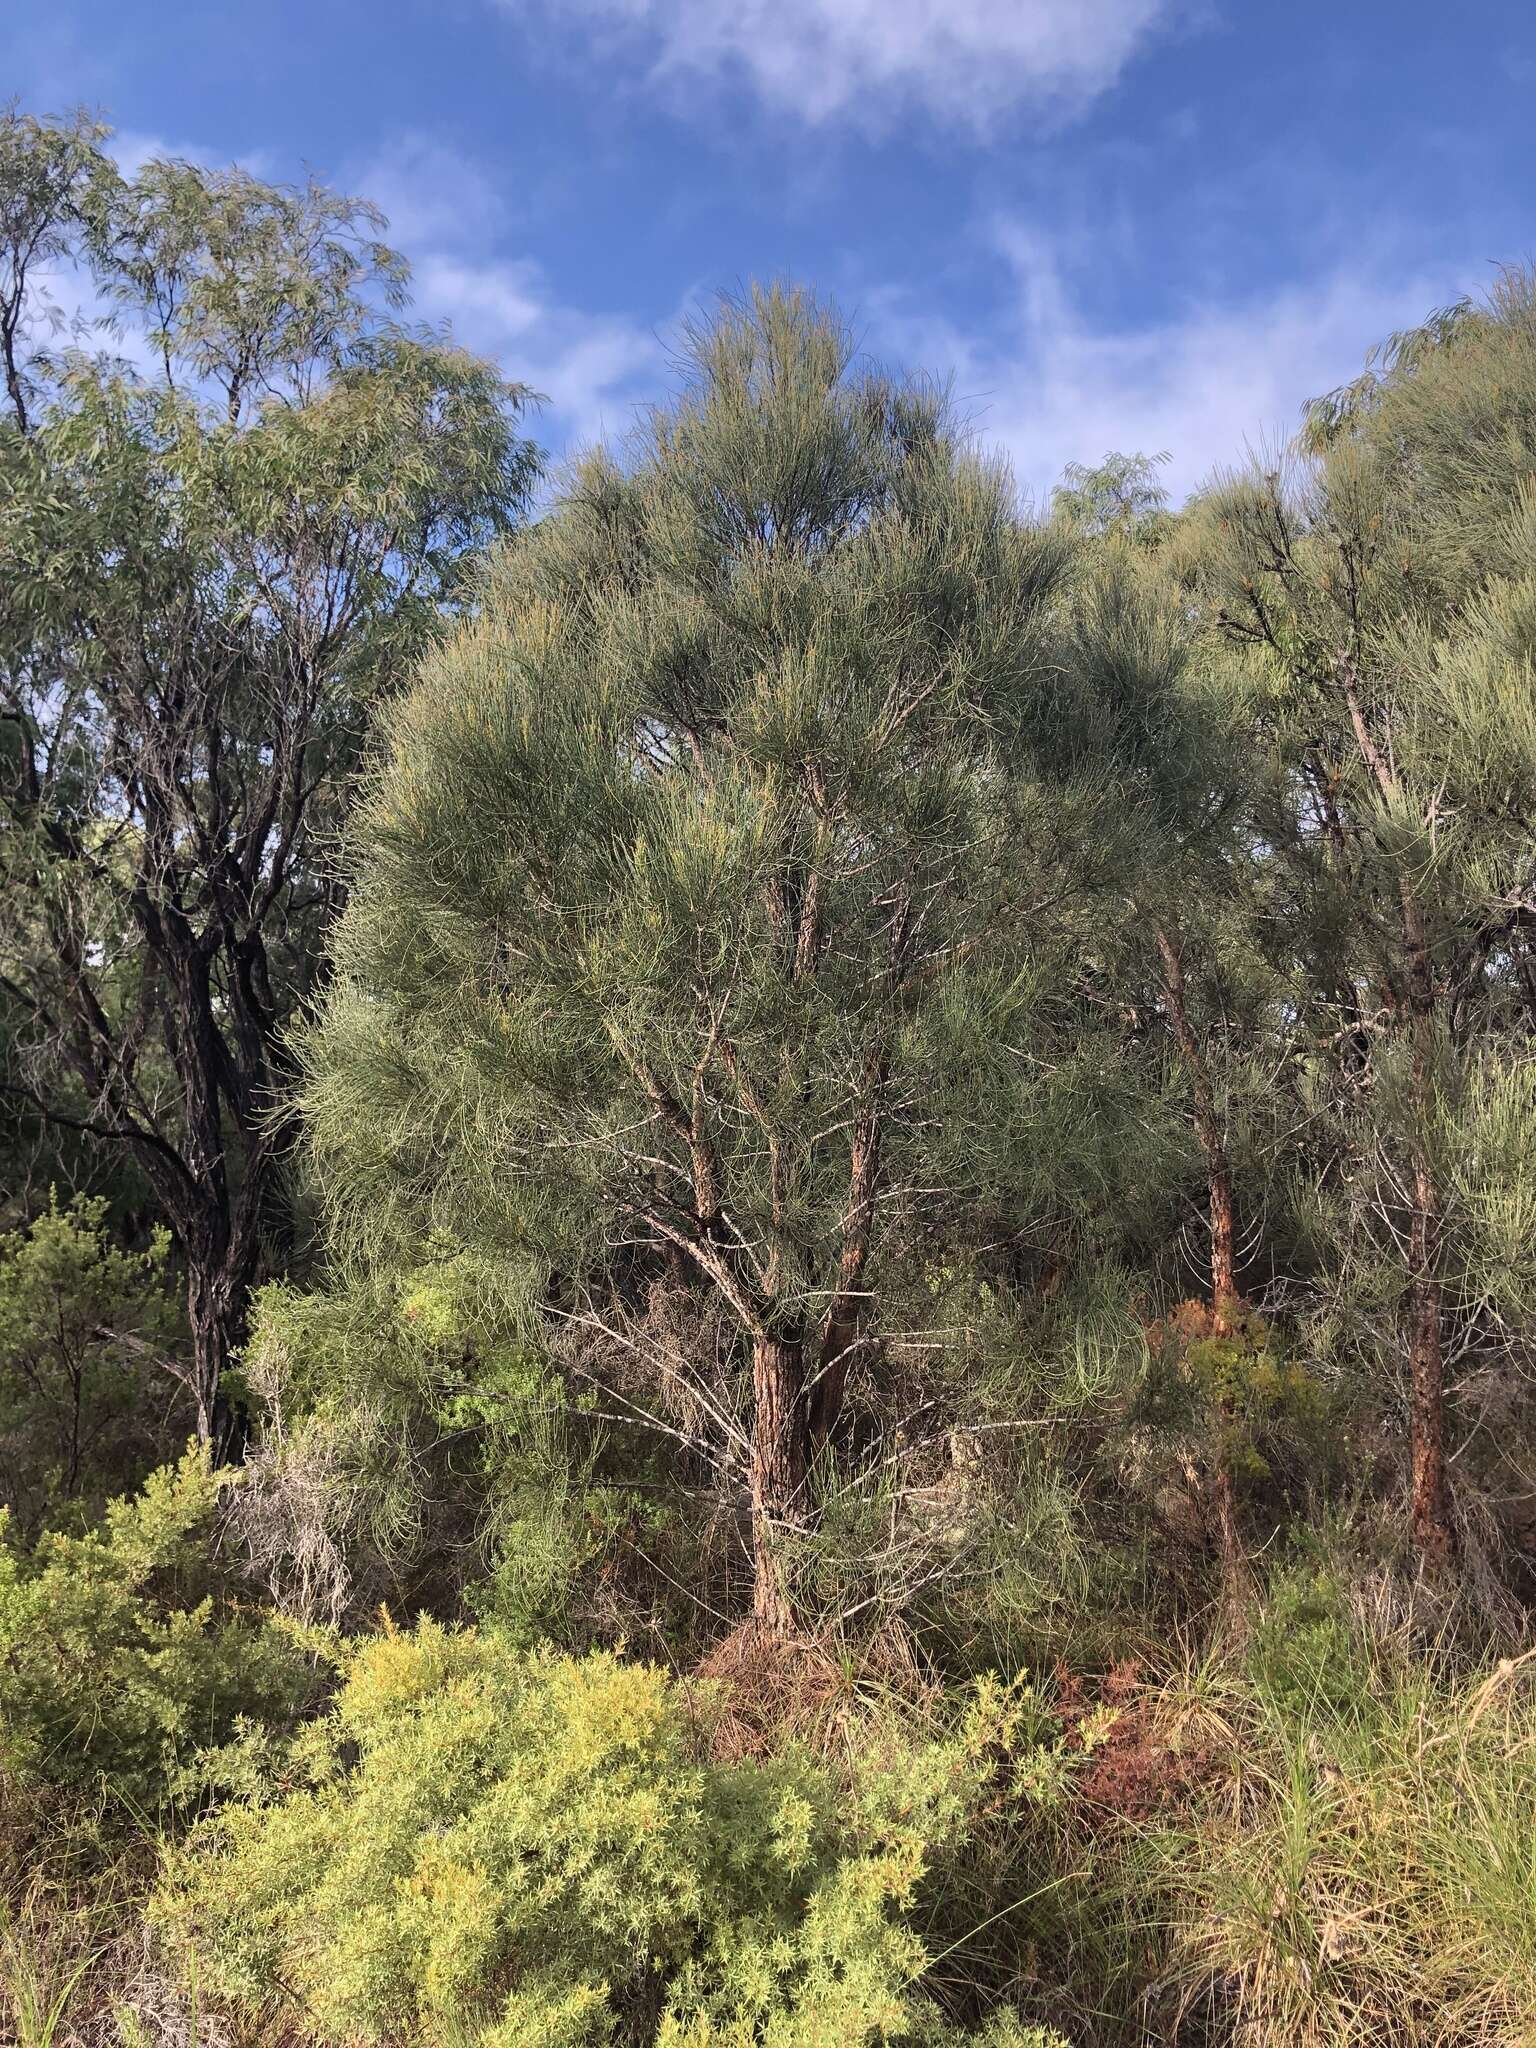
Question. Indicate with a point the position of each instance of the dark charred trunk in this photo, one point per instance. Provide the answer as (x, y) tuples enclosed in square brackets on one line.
[(217, 1299), (780, 1473)]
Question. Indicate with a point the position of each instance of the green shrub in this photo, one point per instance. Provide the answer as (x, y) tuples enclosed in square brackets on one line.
[(518, 1850), (91, 1357), (1305, 1654), (419, 1451), (119, 1659)]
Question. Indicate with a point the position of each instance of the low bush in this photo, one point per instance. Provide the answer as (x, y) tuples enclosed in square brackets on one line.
[(512, 1849), (121, 1657)]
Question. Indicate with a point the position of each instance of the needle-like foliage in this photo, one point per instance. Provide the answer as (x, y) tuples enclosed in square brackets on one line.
[(706, 914)]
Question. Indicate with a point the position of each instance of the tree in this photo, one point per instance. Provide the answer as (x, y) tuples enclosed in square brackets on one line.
[(1382, 594), (703, 915), (1175, 872), (213, 567), (1119, 498), (55, 185)]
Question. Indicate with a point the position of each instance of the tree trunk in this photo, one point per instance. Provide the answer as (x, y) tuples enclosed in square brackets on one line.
[(1218, 1176), (846, 1314), (1433, 1527), (218, 1296), (208, 1322), (780, 1468)]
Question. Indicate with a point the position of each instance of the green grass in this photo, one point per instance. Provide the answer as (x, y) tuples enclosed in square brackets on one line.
[(1363, 1873)]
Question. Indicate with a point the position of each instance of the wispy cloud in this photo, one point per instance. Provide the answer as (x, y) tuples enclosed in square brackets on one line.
[(132, 149), (1050, 387), (1043, 379), (965, 61), (445, 214), (593, 368)]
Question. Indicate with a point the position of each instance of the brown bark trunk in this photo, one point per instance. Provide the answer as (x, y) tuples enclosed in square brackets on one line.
[(1221, 1209), (1432, 1521), (779, 1473), (845, 1316), (1434, 1529)]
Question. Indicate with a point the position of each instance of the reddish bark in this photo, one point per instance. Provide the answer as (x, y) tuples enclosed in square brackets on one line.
[(779, 1471), (1218, 1172)]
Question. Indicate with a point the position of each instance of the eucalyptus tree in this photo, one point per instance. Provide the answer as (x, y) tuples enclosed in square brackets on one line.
[(55, 186), (1382, 594), (704, 915), (1120, 498), (220, 545)]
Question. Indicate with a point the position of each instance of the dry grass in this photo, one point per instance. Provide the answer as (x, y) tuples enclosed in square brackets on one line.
[(1365, 1877), (817, 1689)]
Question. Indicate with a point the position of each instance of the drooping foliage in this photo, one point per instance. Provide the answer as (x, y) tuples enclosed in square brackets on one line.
[(1382, 601), (712, 896)]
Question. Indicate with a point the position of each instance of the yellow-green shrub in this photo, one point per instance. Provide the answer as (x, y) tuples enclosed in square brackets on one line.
[(119, 1660), (518, 1850)]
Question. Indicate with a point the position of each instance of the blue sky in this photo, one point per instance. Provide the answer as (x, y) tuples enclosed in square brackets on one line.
[(1140, 224)]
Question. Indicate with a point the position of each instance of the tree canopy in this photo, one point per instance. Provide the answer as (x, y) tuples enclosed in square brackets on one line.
[(226, 536), (837, 1178)]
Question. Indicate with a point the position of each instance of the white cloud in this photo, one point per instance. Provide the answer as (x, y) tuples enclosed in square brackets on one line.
[(435, 197), (1050, 388), (964, 61), (444, 213), (1045, 381), (133, 148), (594, 368)]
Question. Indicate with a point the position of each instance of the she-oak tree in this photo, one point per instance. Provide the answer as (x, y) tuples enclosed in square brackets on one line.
[(697, 917)]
